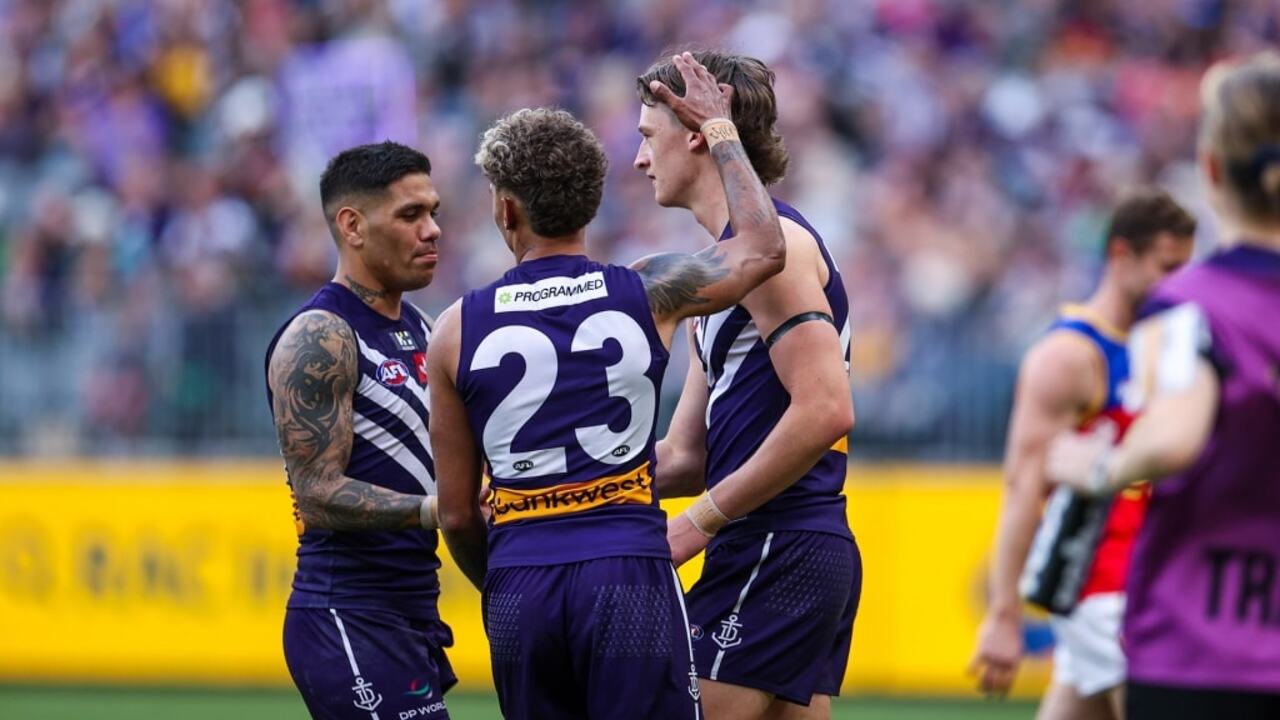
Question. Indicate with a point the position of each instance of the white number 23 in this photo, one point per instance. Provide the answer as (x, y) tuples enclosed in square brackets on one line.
[(626, 380)]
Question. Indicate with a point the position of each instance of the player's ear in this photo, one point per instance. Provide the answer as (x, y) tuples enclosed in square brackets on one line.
[(1119, 248), (509, 212), (696, 141), (350, 225)]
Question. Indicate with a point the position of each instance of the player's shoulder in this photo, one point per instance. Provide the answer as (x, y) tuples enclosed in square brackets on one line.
[(795, 226), (1062, 348), (1064, 363), (446, 336), (627, 273), (317, 336), (448, 320), (802, 244), (316, 322), (806, 274)]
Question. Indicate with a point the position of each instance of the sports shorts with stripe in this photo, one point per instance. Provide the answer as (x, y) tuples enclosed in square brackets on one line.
[(368, 664), (600, 639), (774, 611)]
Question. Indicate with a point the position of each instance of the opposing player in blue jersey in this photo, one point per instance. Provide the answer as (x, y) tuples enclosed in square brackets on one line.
[(347, 380), (549, 377), (1074, 555), (762, 424)]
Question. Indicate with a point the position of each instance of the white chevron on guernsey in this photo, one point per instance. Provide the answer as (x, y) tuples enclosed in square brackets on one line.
[(374, 392), (733, 360), (377, 358), (380, 438), (845, 334), (706, 329)]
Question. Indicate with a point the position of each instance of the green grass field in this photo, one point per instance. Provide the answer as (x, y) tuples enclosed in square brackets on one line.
[(61, 703)]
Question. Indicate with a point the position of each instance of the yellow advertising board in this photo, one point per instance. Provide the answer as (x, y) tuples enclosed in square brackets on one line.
[(178, 573)]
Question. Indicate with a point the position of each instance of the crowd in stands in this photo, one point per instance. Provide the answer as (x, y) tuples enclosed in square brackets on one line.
[(159, 159)]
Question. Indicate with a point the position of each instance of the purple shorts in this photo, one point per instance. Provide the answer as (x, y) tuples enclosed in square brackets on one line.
[(366, 664), (775, 612), (606, 638)]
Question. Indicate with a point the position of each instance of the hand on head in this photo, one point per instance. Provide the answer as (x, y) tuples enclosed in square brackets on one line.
[(704, 99)]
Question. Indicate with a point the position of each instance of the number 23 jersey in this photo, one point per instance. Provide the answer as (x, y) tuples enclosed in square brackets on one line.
[(559, 370)]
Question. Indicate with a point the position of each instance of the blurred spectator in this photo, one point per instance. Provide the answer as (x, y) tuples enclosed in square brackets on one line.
[(159, 159)]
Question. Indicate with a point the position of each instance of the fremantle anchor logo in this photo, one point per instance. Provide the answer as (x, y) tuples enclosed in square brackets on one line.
[(366, 698), (727, 636), (695, 691)]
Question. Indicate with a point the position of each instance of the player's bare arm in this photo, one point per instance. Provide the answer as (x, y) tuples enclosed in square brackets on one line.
[(458, 465), (1059, 381), (682, 454), (313, 375), (681, 285), (1173, 428), (809, 361)]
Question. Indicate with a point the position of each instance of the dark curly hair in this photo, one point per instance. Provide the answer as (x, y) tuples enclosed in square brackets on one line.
[(754, 108), (551, 162)]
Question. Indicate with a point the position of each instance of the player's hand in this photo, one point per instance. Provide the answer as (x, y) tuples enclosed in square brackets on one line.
[(1078, 460), (995, 663), (684, 539), (703, 99)]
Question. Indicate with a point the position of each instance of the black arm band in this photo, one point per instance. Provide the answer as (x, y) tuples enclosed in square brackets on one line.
[(795, 320)]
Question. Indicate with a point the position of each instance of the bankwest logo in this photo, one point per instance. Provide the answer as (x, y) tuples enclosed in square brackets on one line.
[(550, 292), (633, 487)]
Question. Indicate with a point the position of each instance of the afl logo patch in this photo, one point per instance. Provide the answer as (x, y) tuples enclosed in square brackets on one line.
[(393, 373), (695, 631)]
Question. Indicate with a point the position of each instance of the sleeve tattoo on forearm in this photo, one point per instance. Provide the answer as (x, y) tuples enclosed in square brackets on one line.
[(314, 377)]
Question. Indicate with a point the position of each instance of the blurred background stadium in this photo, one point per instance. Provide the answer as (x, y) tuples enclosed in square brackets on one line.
[(159, 218)]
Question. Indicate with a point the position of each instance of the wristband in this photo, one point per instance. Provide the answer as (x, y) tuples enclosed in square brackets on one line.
[(718, 130), (705, 517), (429, 513)]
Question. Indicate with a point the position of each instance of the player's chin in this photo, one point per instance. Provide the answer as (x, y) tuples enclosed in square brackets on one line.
[(419, 276), (663, 199)]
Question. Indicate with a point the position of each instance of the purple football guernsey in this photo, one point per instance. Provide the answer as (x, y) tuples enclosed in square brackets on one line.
[(747, 400), (383, 570), (559, 369), (1204, 581)]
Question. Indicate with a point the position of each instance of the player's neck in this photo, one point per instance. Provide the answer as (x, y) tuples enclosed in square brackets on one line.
[(1255, 235), (1109, 303), (531, 247), (709, 205), (384, 302)]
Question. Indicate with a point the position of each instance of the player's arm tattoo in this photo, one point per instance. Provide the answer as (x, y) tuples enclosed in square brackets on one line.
[(314, 372), (672, 280), (364, 292), (750, 206), (678, 284)]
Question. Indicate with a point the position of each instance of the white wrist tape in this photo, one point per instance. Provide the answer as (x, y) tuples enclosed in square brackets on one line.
[(429, 513), (718, 130), (705, 516)]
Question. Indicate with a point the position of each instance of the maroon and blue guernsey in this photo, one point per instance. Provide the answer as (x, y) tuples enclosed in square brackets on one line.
[(560, 368), (747, 399), (382, 570), (1204, 581)]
